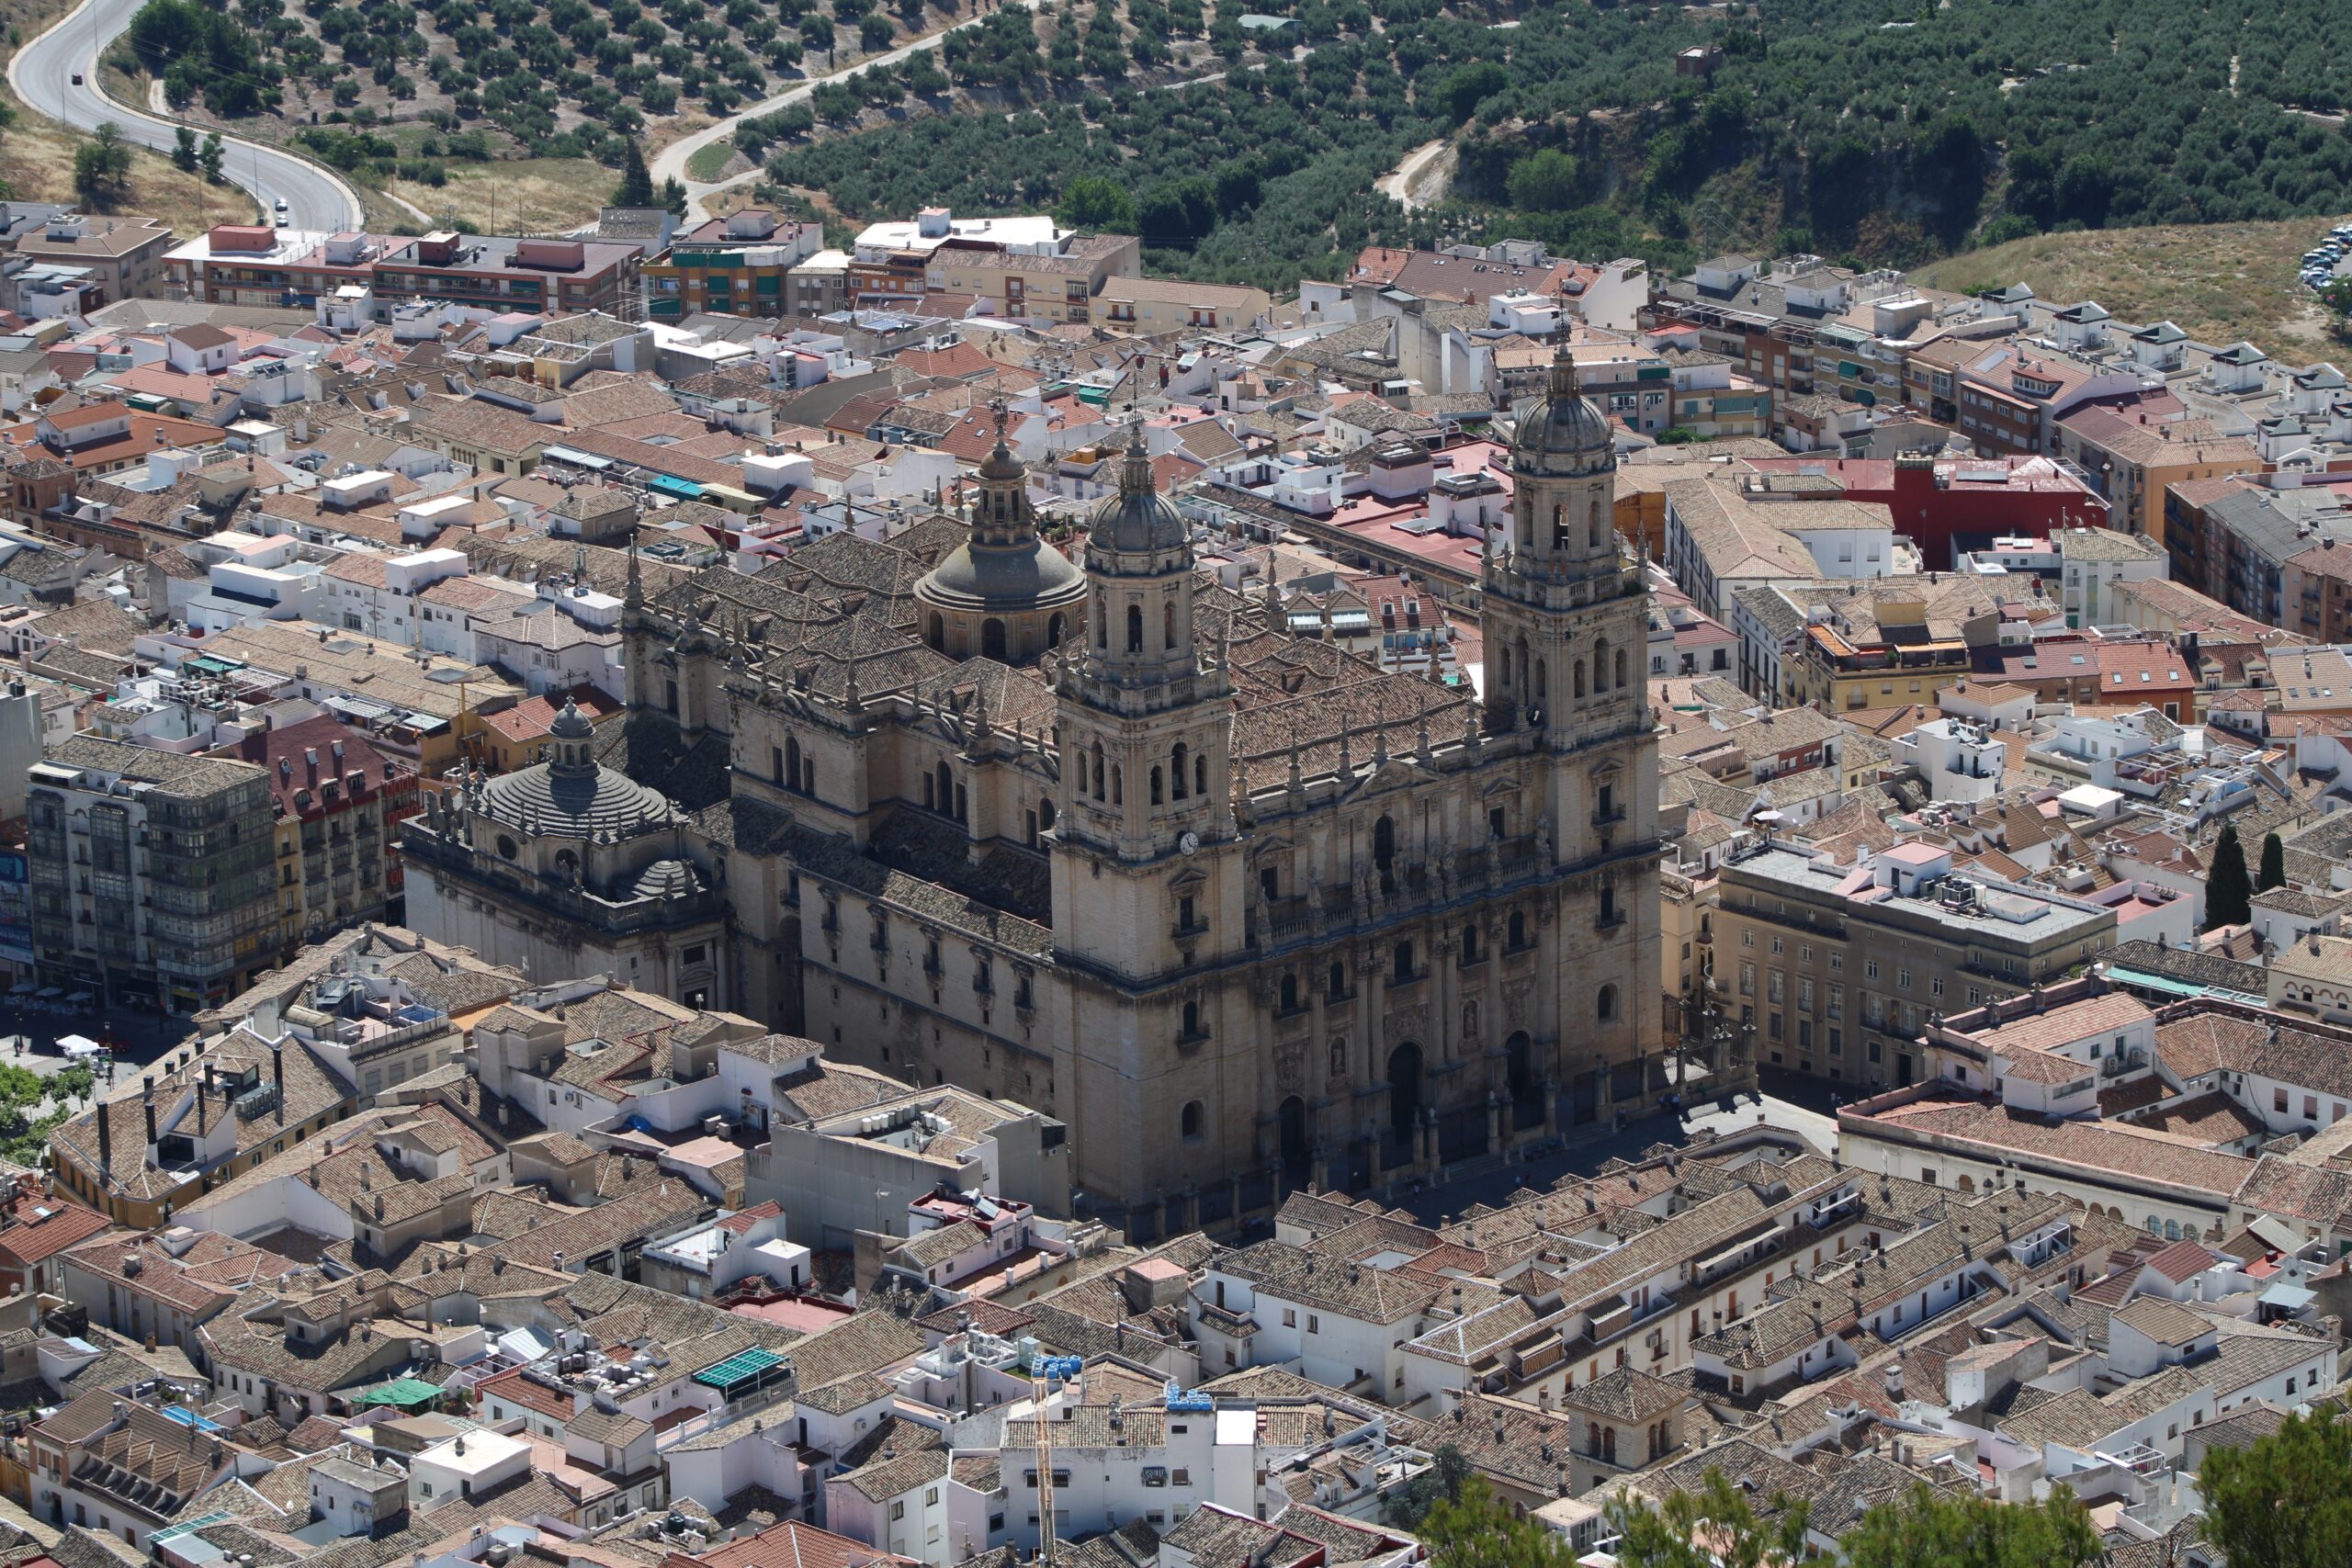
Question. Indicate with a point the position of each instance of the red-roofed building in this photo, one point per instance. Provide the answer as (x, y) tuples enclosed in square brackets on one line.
[(514, 738), (791, 1545), (1948, 504), (340, 802), (2145, 674), (36, 1229)]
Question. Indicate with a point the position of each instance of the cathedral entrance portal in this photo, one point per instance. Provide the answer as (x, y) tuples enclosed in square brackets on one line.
[(1404, 1102), (1526, 1090), (1291, 1123)]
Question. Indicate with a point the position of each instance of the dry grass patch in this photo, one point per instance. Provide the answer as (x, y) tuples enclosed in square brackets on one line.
[(527, 195), (2219, 282)]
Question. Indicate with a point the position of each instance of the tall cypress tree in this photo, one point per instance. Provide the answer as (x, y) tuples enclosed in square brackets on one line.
[(2229, 891), (636, 188), (2274, 864)]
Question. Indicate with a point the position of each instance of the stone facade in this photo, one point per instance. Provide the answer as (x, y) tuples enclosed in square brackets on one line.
[(1243, 910)]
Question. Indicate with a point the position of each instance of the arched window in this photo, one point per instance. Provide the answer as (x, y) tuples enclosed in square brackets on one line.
[(1190, 1121), (791, 763), (1200, 772), (1469, 941), (1168, 627), (807, 775), (1118, 787), (1192, 1020), (1337, 989), (946, 790), (1177, 781), (1579, 680), (1543, 682), (1384, 853), (1560, 525), (1045, 813), (935, 633), (993, 639), (1134, 628), (1155, 784), (1618, 678), (1404, 962), (1290, 993), (1518, 930), (1592, 526), (1604, 1004), (1101, 621), (1054, 630), (1608, 904), (1600, 664), (1608, 1445), (1098, 769)]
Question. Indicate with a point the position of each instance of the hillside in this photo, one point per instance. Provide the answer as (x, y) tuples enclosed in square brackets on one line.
[(2219, 282)]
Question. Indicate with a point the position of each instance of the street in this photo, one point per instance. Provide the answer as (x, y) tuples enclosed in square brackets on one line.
[(57, 74)]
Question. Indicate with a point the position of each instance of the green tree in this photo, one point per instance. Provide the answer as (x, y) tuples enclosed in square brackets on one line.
[(1092, 201), (1443, 1482), (1471, 86), (1477, 1529), (2274, 864), (2228, 890), (1929, 1529), (674, 197), (1665, 1537), (102, 166), (1543, 182), (636, 188), (184, 149), (2282, 1501), (874, 30), (210, 156)]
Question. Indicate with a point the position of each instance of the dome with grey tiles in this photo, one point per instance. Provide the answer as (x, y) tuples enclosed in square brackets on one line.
[(1562, 433)]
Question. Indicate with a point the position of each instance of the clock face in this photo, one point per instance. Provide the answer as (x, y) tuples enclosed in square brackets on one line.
[(1189, 843)]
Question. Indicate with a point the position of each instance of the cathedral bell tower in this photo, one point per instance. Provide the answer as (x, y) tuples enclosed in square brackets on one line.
[(1146, 869)]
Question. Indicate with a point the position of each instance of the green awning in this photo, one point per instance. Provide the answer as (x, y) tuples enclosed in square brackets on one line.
[(747, 1366), (400, 1391)]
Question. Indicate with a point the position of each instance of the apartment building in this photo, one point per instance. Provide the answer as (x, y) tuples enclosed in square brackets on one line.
[(2316, 585), (734, 265), (248, 263), (151, 874), (2130, 459), (1152, 306), (124, 257), (1059, 286), (1841, 967), (338, 802)]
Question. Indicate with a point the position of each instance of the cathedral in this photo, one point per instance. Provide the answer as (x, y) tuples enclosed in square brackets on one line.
[(1241, 910)]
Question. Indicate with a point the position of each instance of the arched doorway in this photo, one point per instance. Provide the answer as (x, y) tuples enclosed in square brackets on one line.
[(1291, 1124), (1526, 1090), (993, 639), (1404, 1100)]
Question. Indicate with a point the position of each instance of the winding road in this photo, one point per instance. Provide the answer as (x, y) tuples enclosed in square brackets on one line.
[(670, 163), (41, 74)]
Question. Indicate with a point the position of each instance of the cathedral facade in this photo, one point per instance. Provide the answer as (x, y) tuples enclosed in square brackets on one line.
[(1242, 910)]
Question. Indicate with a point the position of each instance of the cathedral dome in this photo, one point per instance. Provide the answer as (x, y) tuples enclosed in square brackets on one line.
[(1138, 520), (573, 796), (1005, 592), (1563, 432), (982, 577)]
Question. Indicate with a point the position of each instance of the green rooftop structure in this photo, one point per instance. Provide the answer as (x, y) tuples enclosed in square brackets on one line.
[(745, 1372), (409, 1394)]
